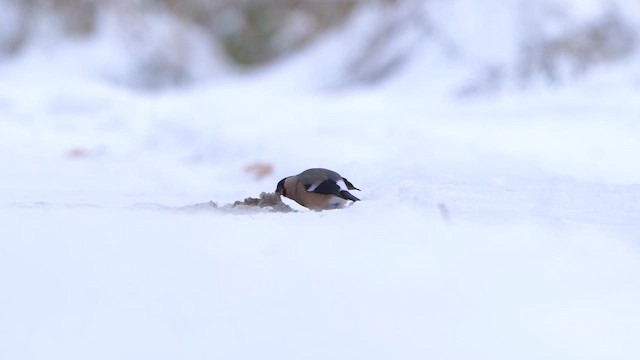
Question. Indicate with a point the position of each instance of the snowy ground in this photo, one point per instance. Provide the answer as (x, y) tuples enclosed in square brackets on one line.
[(501, 228)]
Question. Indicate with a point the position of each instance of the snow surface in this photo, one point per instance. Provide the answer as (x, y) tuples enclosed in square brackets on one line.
[(495, 228)]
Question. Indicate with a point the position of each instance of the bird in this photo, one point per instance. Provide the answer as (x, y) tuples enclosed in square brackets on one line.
[(317, 189)]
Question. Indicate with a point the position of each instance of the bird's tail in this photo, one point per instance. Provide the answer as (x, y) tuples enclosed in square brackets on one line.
[(347, 195)]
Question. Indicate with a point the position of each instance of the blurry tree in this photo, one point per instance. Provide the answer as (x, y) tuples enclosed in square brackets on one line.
[(573, 46), (255, 32), (606, 38), (395, 34), (72, 17), (250, 33)]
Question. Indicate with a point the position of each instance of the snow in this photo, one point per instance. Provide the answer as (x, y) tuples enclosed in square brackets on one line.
[(130, 284), (490, 228)]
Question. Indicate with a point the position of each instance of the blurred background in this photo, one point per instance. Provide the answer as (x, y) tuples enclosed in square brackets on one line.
[(496, 45), (220, 87)]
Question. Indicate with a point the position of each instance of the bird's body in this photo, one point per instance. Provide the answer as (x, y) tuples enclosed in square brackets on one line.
[(317, 189)]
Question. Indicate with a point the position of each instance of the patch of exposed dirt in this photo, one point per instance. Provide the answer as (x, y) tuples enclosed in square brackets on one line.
[(267, 202), (271, 202)]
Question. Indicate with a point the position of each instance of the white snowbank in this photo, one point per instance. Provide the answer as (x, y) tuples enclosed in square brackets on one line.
[(375, 281)]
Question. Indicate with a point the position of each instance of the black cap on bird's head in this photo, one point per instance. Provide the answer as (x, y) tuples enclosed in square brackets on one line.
[(280, 188)]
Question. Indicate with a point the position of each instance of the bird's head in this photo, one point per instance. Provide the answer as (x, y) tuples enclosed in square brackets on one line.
[(280, 188)]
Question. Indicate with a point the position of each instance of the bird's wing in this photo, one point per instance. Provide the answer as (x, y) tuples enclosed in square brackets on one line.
[(330, 187), (327, 187)]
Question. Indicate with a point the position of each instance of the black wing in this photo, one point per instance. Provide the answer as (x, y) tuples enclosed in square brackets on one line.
[(329, 187)]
